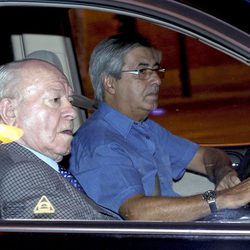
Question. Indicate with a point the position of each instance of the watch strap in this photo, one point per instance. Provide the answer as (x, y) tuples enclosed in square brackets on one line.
[(212, 206)]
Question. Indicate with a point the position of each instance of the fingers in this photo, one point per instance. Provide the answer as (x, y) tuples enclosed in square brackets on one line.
[(228, 181), (234, 197), (235, 180)]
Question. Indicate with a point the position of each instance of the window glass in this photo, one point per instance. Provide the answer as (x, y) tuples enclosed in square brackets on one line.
[(235, 12), (205, 95)]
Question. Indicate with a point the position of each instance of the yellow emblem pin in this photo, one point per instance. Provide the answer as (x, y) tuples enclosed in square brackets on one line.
[(44, 206)]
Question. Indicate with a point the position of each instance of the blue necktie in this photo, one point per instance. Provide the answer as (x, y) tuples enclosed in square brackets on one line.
[(70, 178)]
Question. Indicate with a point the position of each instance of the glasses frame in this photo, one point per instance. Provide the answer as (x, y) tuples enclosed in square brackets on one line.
[(139, 72)]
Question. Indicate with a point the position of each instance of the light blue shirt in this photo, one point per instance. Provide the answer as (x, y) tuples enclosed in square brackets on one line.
[(44, 158), (115, 158)]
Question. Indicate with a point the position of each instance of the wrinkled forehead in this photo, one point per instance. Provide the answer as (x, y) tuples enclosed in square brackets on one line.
[(44, 78)]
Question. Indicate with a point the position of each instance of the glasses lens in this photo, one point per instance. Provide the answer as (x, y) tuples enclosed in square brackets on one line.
[(145, 74), (161, 72)]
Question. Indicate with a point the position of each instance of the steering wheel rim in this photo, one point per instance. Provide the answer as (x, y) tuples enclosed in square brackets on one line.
[(244, 167)]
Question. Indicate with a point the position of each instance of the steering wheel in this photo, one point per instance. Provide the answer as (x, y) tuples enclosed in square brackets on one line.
[(239, 214), (244, 167)]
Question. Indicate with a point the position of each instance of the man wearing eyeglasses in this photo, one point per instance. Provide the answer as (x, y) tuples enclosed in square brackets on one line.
[(119, 152)]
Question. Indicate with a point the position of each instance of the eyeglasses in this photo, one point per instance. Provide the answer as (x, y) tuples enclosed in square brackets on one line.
[(145, 73)]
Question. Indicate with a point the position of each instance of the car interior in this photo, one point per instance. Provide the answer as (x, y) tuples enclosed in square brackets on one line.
[(55, 44), (50, 34)]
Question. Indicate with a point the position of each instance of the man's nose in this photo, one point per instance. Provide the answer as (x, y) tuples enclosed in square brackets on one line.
[(155, 78), (70, 111)]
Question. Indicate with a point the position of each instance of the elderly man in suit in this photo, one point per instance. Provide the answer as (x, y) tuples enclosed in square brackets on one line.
[(36, 97)]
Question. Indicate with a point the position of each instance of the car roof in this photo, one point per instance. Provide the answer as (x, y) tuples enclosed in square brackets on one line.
[(177, 15), (235, 12)]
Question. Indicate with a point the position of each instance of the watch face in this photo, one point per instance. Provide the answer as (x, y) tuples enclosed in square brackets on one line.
[(210, 196)]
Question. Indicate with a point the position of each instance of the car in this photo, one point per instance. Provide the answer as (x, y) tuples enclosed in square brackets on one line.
[(204, 97)]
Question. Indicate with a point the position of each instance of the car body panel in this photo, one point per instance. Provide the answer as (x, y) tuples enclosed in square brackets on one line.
[(170, 14)]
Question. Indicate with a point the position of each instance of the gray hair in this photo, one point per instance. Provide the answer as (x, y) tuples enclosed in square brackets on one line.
[(107, 59), (11, 74), (9, 77)]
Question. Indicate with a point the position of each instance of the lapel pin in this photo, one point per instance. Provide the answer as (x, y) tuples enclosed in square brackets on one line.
[(44, 206)]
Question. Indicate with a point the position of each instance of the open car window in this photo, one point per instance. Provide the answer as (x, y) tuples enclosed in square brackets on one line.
[(204, 97), (203, 89)]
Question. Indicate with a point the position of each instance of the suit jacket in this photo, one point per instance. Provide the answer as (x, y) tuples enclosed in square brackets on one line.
[(30, 189)]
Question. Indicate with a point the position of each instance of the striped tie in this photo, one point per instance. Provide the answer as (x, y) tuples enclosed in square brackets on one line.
[(70, 178)]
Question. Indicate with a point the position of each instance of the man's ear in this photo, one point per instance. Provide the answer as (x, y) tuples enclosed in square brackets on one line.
[(109, 84), (7, 111)]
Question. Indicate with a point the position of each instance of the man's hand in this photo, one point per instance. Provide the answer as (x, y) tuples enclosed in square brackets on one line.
[(228, 181)]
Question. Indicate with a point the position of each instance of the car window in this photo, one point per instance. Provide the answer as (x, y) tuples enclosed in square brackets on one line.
[(235, 12), (205, 94), (204, 97)]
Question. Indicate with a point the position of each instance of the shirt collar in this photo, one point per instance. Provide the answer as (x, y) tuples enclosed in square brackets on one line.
[(117, 120), (44, 158)]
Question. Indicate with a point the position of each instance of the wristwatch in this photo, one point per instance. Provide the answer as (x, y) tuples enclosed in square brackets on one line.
[(210, 197)]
